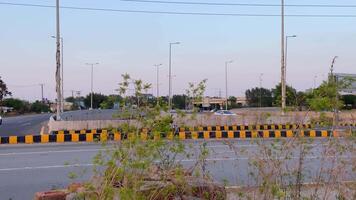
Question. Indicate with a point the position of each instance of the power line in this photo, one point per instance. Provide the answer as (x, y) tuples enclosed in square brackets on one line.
[(176, 13), (241, 4)]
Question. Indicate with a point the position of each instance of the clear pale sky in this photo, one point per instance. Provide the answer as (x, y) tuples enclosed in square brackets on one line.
[(133, 43)]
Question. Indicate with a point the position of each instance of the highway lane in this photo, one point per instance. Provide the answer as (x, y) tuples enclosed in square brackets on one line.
[(23, 125), (25, 169)]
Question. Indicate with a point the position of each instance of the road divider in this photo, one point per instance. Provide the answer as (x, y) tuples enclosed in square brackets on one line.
[(183, 135), (208, 128)]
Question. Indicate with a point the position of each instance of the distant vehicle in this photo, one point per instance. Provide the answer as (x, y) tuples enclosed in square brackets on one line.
[(224, 113), (0, 120)]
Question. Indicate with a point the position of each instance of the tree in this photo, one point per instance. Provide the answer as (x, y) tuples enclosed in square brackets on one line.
[(110, 101), (349, 101), (3, 91), (97, 100), (179, 101), (259, 96), (39, 107), (291, 94), (232, 102), (18, 105)]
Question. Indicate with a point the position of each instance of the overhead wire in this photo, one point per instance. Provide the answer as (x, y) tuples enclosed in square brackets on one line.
[(181, 13), (241, 4)]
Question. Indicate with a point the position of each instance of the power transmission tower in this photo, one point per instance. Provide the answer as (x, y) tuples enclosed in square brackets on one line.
[(58, 66)]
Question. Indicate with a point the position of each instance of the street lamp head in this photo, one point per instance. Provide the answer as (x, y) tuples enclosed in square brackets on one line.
[(230, 61), (53, 36), (174, 43)]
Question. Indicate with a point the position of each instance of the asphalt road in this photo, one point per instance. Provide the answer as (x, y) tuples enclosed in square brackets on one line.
[(25, 169), (23, 125)]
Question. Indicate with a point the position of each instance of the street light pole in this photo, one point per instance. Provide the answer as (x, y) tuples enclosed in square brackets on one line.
[(62, 82), (286, 55), (283, 79), (170, 75), (226, 93), (58, 66), (92, 71), (157, 67)]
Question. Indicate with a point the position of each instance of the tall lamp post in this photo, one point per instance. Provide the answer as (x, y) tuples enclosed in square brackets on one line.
[(62, 82), (170, 75), (286, 55), (226, 93), (261, 75), (92, 71), (283, 78), (157, 68)]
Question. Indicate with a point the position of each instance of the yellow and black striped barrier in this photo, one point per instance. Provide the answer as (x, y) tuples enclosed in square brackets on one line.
[(208, 128), (195, 135)]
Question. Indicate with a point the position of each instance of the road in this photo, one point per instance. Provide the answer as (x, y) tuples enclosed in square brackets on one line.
[(25, 169), (23, 125)]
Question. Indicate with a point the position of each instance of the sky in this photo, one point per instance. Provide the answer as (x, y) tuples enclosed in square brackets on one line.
[(134, 42)]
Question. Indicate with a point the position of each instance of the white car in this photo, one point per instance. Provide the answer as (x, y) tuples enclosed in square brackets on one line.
[(224, 112), (0, 120)]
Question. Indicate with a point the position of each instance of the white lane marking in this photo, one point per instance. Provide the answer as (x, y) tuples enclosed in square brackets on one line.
[(45, 167), (48, 152), (25, 124), (251, 158), (184, 160)]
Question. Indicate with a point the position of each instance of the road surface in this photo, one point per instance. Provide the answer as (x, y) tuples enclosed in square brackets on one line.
[(23, 125), (25, 169)]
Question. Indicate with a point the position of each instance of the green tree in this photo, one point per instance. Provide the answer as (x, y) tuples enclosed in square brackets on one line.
[(291, 94), (97, 100), (39, 107), (19, 106), (257, 96), (110, 101), (179, 101), (349, 101), (3, 91)]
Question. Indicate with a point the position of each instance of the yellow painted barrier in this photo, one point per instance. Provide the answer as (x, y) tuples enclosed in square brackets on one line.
[(144, 136), (194, 135), (13, 140), (301, 133), (230, 134), (72, 132), (200, 128), (218, 128), (206, 134), (226, 128), (117, 136), (335, 134), (28, 139), (209, 128), (93, 131), (75, 137), (277, 133), (234, 128), (61, 132), (45, 138), (242, 127), (89, 137), (289, 133), (60, 138), (82, 131), (157, 136), (312, 133), (218, 134), (266, 134), (254, 134), (182, 135), (324, 133), (242, 134), (103, 137), (170, 135)]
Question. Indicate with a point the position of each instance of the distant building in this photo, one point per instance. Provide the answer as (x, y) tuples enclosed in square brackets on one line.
[(352, 89), (241, 101), (210, 103)]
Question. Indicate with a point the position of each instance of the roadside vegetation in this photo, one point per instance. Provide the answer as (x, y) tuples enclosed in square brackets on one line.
[(147, 163)]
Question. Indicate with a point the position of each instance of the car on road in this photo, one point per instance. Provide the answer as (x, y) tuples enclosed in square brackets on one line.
[(224, 113), (0, 120)]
